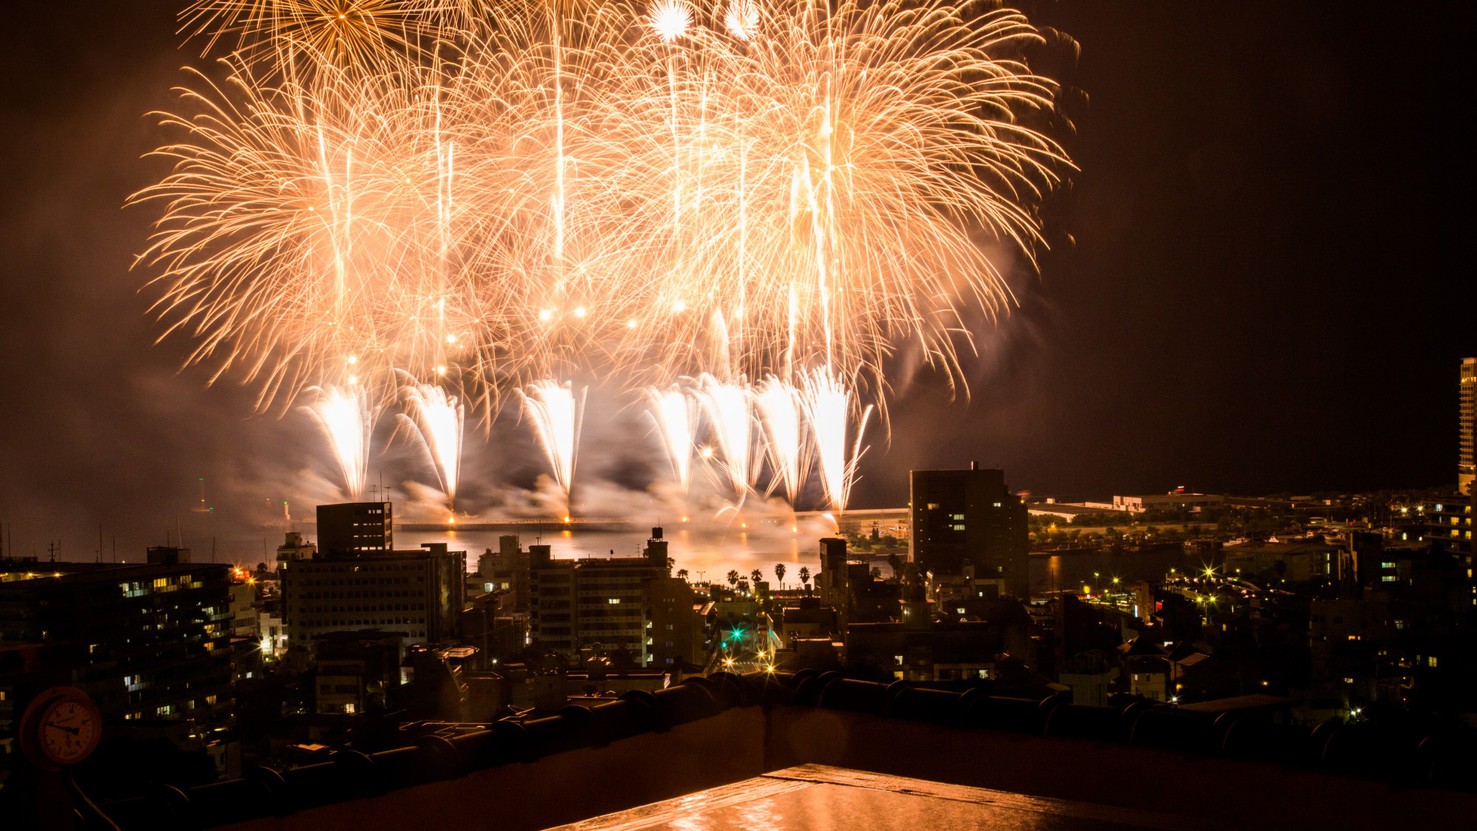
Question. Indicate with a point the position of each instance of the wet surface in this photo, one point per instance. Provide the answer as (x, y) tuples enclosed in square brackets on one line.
[(822, 798)]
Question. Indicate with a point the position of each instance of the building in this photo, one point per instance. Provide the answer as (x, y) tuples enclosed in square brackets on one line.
[(355, 528), (295, 548), (603, 603), (678, 635), (1449, 525), (1467, 447), (1174, 500), (922, 648), (353, 584), (357, 671), (149, 642), (505, 572), (970, 515)]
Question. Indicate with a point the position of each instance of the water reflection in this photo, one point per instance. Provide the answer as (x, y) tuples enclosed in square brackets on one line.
[(1071, 570), (708, 552)]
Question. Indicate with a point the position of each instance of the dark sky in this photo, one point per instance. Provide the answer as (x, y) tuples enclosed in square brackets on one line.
[(1259, 280)]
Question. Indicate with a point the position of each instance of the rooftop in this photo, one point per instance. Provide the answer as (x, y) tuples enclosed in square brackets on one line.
[(1242, 766)]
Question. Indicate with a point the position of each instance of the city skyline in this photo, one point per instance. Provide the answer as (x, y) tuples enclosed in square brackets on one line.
[(1233, 315)]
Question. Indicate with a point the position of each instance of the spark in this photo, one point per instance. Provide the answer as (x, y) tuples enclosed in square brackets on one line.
[(780, 410), (347, 418), (438, 418), (670, 19), (495, 192), (829, 408), (728, 408), (556, 411), (742, 19), (676, 416)]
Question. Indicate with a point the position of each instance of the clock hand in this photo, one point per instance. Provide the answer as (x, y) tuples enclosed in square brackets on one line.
[(73, 730)]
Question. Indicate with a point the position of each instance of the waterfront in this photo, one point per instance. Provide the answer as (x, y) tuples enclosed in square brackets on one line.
[(706, 550), (1070, 570)]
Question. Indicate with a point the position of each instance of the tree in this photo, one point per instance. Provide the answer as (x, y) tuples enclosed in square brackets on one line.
[(733, 577), (756, 575), (682, 574), (805, 575), (779, 574)]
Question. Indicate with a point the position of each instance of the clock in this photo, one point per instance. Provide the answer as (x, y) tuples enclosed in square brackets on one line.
[(60, 728)]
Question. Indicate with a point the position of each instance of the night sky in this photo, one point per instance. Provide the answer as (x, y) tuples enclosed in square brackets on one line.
[(1258, 282)]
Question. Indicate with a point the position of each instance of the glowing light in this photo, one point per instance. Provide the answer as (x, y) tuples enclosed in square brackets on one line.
[(829, 407), (437, 418), (347, 419), (780, 411), (730, 416), (556, 411), (670, 19), (742, 19), (676, 416), (792, 193)]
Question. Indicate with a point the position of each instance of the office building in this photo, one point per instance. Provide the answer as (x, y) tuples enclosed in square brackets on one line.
[(970, 515)]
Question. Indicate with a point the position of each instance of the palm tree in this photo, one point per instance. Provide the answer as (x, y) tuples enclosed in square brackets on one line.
[(682, 574), (779, 574), (756, 575), (805, 577), (733, 577)]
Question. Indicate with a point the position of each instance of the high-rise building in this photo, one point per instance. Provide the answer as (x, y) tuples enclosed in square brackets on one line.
[(970, 515), (1467, 448), (356, 528)]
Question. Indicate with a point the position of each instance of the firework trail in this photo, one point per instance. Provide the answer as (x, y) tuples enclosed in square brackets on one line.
[(296, 249), (486, 193), (780, 410), (556, 411), (347, 417), (437, 417), (676, 416), (362, 34), (829, 408), (728, 409)]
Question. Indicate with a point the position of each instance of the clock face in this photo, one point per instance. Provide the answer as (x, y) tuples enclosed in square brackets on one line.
[(69, 731)]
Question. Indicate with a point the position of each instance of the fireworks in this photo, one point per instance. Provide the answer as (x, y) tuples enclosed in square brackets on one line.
[(779, 410), (829, 408), (676, 416), (729, 410), (556, 411), (486, 194), (347, 417), (437, 417)]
